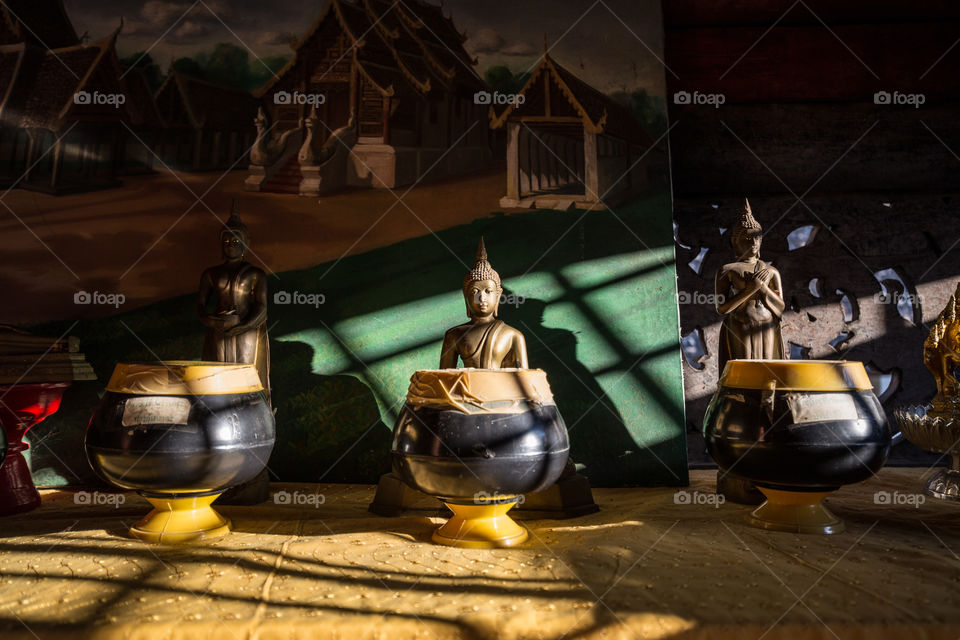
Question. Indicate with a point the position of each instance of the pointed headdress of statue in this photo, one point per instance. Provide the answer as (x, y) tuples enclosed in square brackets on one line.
[(747, 225), (481, 269), (235, 225)]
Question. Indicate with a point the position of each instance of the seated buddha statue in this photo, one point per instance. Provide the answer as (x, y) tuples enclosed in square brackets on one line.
[(485, 342)]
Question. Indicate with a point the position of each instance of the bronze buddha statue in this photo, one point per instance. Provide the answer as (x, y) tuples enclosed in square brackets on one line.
[(750, 298), (232, 303), (486, 342)]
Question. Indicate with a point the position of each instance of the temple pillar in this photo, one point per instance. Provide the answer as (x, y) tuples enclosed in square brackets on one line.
[(591, 173), (512, 197), (534, 162), (523, 162), (513, 160)]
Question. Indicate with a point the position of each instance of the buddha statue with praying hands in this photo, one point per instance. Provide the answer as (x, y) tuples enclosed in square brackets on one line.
[(750, 298), (486, 342)]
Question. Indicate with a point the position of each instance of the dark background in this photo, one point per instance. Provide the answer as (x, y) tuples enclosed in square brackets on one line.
[(800, 134)]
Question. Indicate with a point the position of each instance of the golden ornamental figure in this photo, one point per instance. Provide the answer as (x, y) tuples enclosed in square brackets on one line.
[(935, 426), (941, 355), (486, 342), (750, 298)]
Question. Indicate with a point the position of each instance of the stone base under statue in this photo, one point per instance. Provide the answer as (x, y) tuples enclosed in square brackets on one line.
[(570, 497)]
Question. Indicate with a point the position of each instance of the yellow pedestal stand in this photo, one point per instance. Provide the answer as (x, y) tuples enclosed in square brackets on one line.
[(796, 512), (181, 520), (480, 526)]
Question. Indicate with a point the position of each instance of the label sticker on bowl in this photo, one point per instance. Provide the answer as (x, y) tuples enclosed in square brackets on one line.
[(156, 410), (818, 407)]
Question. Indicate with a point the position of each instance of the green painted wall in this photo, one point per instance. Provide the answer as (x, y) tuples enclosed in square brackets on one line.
[(599, 314)]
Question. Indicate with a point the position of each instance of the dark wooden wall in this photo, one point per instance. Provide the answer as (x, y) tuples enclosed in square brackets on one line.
[(880, 182), (799, 89)]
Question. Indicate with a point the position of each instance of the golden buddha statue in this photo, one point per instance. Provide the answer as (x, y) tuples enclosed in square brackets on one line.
[(232, 303), (750, 298), (486, 342), (941, 355)]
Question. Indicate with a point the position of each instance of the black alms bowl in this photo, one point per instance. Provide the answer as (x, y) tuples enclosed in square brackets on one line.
[(797, 424), (181, 427), (465, 433)]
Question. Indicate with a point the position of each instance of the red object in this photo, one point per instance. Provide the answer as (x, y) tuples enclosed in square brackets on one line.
[(21, 407)]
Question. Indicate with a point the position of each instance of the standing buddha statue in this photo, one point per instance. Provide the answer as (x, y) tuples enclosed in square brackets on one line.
[(750, 298), (232, 303)]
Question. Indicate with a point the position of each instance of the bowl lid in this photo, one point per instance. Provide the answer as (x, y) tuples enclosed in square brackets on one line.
[(480, 390), (184, 378), (796, 375)]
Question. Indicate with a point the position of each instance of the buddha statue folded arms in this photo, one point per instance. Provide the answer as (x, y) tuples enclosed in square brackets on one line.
[(232, 304), (749, 296)]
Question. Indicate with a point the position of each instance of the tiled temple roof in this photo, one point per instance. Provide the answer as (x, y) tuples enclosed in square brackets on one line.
[(392, 43), (599, 112), (206, 103)]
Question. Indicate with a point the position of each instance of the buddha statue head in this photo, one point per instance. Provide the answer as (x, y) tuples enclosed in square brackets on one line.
[(481, 287), (234, 237), (747, 234)]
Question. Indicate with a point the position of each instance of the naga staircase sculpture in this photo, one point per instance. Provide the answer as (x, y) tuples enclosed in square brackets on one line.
[(290, 160)]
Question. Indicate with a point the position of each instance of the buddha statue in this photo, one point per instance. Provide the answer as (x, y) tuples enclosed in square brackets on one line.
[(232, 303), (749, 297), (486, 342)]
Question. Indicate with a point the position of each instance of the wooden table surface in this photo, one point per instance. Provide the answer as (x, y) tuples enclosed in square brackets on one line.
[(653, 563)]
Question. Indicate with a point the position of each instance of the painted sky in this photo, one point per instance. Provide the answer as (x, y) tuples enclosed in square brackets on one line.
[(612, 44)]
